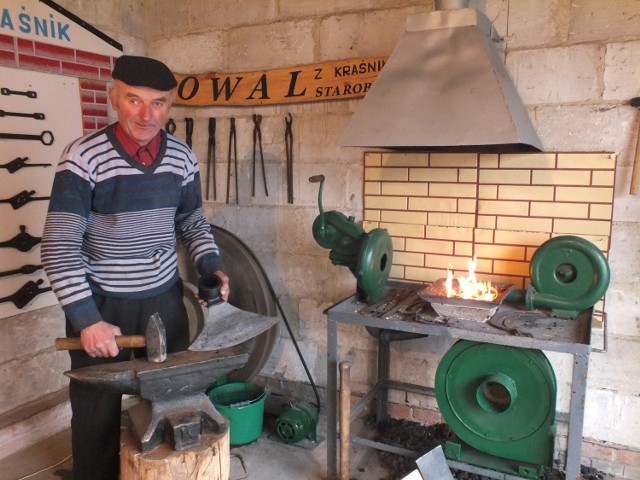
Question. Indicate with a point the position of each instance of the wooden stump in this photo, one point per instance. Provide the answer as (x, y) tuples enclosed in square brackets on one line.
[(208, 461)]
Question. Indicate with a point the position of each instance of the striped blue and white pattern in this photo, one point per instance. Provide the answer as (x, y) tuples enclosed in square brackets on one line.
[(112, 223)]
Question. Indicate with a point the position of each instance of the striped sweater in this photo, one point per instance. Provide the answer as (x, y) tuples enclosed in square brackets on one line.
[(112, 223)]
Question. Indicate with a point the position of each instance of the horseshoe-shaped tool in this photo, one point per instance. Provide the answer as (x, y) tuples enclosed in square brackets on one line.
[(170, 127), (189, 130)]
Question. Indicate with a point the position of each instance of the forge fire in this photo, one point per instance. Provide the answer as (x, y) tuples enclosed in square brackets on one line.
[(468, 287)]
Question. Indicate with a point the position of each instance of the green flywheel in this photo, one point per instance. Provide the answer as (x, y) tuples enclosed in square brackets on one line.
[(570, 267), (374, 264), (499, 400)]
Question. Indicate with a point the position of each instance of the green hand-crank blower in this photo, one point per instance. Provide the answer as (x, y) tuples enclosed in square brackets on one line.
[(367, 254)]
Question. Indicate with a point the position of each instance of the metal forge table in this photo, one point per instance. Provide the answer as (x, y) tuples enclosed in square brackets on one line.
[(566, 336)]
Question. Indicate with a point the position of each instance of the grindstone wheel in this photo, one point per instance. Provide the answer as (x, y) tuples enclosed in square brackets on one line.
[(499, 400), (250, 290)]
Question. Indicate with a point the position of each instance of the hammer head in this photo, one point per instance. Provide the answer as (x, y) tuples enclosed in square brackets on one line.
[(156, 339)]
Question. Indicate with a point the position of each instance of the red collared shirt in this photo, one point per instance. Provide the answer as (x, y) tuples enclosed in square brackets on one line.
[(145, 154)]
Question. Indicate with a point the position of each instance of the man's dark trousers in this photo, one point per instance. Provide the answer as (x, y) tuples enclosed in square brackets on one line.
[(95, 424)]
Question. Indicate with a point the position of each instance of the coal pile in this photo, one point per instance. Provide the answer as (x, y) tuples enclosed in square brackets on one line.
[(420, 438)]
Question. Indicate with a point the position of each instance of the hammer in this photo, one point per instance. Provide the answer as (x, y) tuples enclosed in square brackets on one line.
[(635, 174), (154, 339)]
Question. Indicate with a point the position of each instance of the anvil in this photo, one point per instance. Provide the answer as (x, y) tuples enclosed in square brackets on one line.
[(173, 406)]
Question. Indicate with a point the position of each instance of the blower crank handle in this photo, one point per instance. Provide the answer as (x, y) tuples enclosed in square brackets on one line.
[(320, 179)]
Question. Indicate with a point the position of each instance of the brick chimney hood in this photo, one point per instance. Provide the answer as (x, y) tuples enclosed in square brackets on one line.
[(444, 87)]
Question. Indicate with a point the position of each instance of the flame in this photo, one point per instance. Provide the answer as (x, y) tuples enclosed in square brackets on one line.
[(469, 287)]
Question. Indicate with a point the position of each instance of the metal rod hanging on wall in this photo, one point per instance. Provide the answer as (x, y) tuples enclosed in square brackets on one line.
[(288, 145)]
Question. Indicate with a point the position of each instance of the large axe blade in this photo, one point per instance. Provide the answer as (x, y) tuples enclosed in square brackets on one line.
[(227, 326), (155, 336)]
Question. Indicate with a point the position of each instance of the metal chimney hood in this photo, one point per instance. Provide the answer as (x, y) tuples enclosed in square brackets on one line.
[(444, 87)]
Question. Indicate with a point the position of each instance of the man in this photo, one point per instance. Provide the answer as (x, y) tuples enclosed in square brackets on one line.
[(119, 198)]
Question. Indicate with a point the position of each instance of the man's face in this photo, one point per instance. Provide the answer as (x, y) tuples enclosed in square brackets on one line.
[(142, 111)]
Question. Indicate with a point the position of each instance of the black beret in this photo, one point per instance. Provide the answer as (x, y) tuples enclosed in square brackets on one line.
[(143, 72)]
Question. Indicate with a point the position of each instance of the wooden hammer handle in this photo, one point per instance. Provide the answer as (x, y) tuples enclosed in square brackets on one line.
[(123, 341)]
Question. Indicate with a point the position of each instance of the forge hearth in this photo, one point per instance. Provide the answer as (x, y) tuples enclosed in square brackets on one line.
[(463, 308)]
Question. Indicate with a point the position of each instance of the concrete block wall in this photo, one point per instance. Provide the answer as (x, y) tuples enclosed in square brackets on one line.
[(575, 65)]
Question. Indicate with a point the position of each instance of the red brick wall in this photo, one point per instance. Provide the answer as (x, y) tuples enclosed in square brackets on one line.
[(93, 71)]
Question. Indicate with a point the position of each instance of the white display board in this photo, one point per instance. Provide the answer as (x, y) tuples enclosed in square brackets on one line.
[(55, 103)]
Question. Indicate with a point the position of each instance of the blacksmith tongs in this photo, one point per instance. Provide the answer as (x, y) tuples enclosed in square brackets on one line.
[(257, 139), (211, 157)]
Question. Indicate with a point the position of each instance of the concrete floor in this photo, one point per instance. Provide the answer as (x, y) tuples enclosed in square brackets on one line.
[(267, 458)]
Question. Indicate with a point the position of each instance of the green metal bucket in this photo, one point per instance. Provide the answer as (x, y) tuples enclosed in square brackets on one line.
[(243, 405)]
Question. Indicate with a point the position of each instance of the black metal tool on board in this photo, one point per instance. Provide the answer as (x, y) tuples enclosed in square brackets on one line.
[(257, 142), (28, 93), (21, 162), (233, 151), (288, 143), (23, 270), (189, 130), (22, 241), (37, 116), (211, 158), (46, 137), (22, 199), (25, 294)]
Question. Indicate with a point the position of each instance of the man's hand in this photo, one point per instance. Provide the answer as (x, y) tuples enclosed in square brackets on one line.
[(99, 340), (224, 284)]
